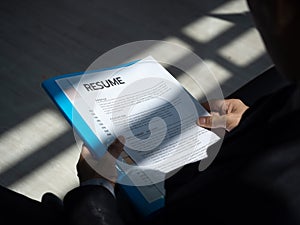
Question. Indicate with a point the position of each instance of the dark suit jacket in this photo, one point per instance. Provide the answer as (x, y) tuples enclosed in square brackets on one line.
[(255, 178)]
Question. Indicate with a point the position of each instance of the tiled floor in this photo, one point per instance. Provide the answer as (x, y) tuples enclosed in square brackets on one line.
[(41, 39)]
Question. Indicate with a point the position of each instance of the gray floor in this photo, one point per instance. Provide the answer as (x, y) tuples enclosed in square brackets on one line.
[(42, 39)]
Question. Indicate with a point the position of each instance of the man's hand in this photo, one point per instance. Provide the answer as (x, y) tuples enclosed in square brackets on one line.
[(88, 167), (224, 114)]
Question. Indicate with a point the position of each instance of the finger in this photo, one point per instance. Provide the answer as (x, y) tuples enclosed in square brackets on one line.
[(228, 121), (232, 121), (85, 152), (116, 148), (214, 121), (86, 157)]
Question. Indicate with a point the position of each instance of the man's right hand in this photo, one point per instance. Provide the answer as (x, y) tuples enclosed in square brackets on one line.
[(224, 114)]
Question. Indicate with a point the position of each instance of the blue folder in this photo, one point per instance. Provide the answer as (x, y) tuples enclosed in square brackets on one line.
[(135, 194)]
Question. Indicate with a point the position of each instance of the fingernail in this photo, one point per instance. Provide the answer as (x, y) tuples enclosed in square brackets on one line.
[(121, 139), (201, 121)]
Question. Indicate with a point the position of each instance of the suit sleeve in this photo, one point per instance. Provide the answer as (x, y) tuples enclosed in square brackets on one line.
[(91, 205)]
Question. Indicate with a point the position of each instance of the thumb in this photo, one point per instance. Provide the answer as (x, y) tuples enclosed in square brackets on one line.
[(116, 148), (213, 121)]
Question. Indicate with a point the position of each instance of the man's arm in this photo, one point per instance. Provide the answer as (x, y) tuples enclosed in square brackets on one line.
[(93, 202), (91, 205)]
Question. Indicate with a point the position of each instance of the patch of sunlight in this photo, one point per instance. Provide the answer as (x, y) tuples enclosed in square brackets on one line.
[(28, 136), (162, 49), (233, 6), (206, 28), (58, 176), (244, 49)]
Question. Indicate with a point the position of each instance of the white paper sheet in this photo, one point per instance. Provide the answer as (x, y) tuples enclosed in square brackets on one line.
[(148, 106)]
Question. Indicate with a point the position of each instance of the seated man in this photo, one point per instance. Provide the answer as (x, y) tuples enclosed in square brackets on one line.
[(255, 177)]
